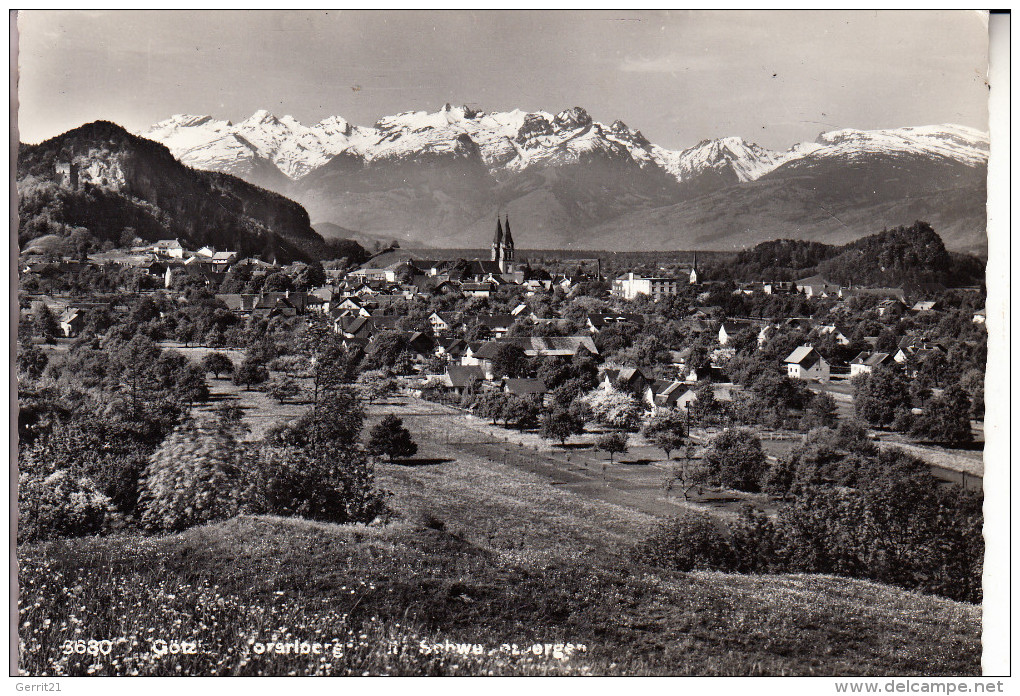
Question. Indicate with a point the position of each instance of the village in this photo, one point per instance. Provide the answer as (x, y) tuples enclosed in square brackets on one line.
[(453, 330)]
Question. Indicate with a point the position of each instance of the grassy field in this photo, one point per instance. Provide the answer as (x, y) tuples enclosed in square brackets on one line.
[(505, 554), (483, 561)]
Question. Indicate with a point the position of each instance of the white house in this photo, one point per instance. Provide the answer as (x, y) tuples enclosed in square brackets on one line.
[(629, 286), (169, 247), (865, 363), (806, 363)]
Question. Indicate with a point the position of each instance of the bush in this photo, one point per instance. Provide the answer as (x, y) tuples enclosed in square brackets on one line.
[(193, 477), (688, 542), (390, 438), (329, 486), (59, 504)]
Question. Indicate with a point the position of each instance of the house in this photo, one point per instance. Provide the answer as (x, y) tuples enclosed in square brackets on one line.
[(979, 317), (354, 327), (482, 355), (597, 322), (889, 306), (865, 363), (664, 394), (629, 378), (925, 306), (71, 322), (730, 328), (462, 378), (453, 347), (222, 260), (169, 247), (816, 286), (806, 363), (833, 330), (477, 289), (238, 303), (525, 387), (497, 324), (444, 322), (630, 285), (273, 305), (554, 346)]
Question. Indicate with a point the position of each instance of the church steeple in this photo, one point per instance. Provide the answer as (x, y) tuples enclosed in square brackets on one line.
[(497, 241), (506, 254), (694, 270)]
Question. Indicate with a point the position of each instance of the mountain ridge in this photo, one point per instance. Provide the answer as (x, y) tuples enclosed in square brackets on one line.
[(439, 178)]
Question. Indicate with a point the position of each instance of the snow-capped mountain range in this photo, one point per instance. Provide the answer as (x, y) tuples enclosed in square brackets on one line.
[(439, 177), (515, 141)]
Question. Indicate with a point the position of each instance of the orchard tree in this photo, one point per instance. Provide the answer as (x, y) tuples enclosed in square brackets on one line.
[(736, 459), (878, 396), (668, 429), (390, 438), (250, 372), (217, 363), (44, 324), (560, 424), (283, 388), (612, 444), (691, 472)]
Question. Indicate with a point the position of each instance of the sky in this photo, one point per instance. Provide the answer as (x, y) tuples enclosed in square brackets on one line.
[(775, 78)]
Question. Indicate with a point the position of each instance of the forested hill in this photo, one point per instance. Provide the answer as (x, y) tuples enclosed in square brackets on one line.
[(890, 258), (97, 180)]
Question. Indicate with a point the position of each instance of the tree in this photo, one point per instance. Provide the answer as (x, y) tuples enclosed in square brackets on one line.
[(691, 472), (946, 419), (217, 363), (614, 408), (612, 444), (44, 324), (250, 372), (684, 543), (821, 411), (31, 360), (668, 429), (193, 477), (560, 424), (736, 459), (878, 396), (376, 385), (283, 388), (389, 437), (510, 360)]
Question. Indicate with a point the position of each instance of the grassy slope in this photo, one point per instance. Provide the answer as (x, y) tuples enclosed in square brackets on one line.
[(480, 552)]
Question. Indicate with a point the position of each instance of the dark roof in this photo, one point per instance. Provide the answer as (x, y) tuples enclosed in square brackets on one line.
[(524, 387), (464, 375)]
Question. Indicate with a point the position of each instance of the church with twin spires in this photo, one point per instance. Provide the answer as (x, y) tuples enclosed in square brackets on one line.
[(503, 246)]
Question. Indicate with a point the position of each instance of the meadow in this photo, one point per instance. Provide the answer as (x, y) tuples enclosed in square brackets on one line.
[(479, 562)]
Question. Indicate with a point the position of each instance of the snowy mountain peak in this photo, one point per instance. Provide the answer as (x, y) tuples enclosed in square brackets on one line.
[(575, 117), (950, 141), (260, 117)]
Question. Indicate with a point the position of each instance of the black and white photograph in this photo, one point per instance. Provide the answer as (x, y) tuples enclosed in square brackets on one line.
[(508, 343)]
